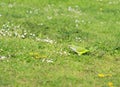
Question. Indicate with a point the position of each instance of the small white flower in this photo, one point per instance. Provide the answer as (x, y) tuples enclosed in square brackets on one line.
[(2, 57), (25, 34), (15, 33), (77, 21), (22, 36), (30, 12), (33, 35), (0, 15), (49, 61), (4, 34), (78, 39), (77, 25), (48, 41)]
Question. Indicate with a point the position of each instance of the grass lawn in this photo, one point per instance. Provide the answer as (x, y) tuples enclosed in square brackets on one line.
[(59, 43)]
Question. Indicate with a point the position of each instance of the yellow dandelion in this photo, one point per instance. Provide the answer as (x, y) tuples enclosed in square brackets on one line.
[(110, 84), (101, 75)]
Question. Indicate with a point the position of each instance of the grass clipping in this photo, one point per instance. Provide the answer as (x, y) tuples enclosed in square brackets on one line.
[(79, 50)]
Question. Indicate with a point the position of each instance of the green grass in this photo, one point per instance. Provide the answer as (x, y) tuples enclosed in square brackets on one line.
[(35, 40)]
